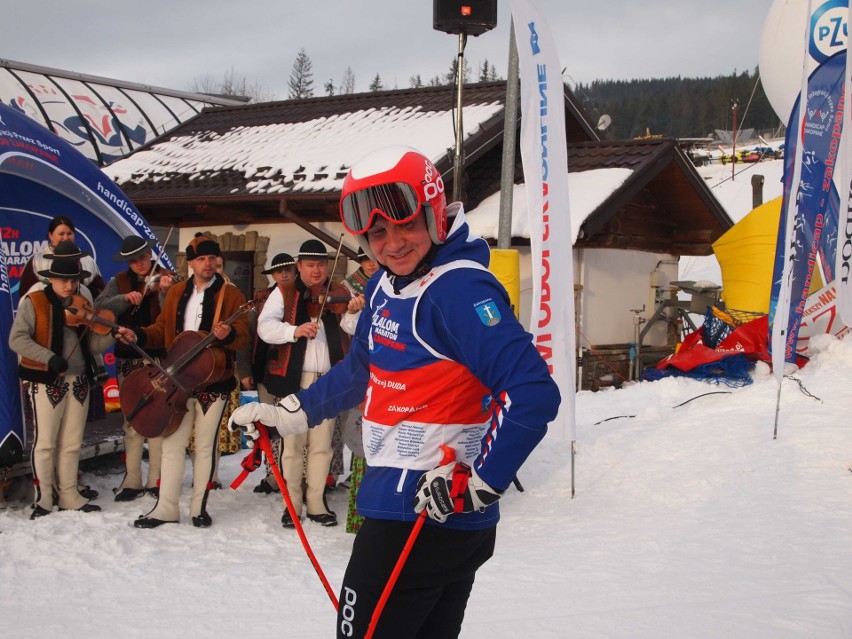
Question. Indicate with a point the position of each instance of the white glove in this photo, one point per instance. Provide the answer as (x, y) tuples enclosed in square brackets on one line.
[(287, 417), (452, 488)]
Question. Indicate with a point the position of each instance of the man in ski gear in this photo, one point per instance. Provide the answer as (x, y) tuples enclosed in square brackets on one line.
[(442, 362)]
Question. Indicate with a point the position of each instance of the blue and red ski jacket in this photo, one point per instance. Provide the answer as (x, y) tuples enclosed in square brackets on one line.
[(440, 360)]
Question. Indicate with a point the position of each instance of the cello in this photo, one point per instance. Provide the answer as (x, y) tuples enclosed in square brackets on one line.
[(153, 399)]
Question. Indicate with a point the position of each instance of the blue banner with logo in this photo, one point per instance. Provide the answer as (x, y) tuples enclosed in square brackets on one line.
[(809, 249), (42, 176), (11, 413)]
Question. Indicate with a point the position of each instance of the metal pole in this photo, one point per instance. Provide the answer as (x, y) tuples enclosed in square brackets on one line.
[(459, 153), (734, 142), (507, 175)]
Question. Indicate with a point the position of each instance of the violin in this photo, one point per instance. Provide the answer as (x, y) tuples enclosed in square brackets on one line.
[(79, 312), (320, 299), (148, 283)]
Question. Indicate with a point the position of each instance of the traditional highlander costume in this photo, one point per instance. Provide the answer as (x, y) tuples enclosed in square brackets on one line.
[(260, 355), (58, 371), (206, 405), (113, 298), (295, 364)]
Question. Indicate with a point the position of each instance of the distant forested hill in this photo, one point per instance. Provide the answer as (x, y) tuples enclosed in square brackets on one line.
[(678, 107)]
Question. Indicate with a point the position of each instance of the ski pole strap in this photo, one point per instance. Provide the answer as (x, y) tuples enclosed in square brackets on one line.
[(250, 463), (461, 475)]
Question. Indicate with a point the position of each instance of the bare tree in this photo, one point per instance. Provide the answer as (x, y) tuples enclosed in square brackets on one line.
[(347, 85), (231, 84), (415, 81), (301, 83)]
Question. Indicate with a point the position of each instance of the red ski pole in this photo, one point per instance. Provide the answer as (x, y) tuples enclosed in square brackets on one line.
[(266, 447), (449, 456)]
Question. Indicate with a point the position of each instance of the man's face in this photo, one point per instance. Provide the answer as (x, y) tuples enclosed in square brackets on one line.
[(141, 264), (311, 271), (370, 267), (63, 287), (399, 247), (284, 275), (204, 267)]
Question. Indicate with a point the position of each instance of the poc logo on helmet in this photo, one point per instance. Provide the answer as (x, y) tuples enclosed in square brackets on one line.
[(432, 185)]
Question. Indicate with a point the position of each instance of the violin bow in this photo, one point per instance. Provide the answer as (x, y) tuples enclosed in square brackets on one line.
[(145, 356), (328, 286), (149, 279)]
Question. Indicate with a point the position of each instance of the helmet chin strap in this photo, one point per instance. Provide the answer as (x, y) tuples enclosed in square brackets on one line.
[(399, 282)]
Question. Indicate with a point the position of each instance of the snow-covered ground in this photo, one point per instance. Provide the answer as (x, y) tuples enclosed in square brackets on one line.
[(689, 521)]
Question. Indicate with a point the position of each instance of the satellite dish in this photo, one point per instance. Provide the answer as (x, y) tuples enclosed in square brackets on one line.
[(604, 122)]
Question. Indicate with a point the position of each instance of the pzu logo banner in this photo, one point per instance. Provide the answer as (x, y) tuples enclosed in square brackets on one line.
[(829, 29)]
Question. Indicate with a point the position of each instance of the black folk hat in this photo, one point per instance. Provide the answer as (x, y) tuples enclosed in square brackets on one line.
[(201, 245), (132, 246), (312, 249), (66, 250), (362, 256), (65, 268), (281, 260)]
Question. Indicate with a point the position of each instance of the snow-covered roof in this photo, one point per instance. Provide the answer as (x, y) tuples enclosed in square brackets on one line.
[(586, 191), (287, 160), (301, 146)]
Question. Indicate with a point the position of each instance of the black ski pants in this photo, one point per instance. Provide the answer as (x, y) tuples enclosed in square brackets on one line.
[(430, 596)]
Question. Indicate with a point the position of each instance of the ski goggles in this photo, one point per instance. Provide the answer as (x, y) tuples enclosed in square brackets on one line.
[(397, 202)]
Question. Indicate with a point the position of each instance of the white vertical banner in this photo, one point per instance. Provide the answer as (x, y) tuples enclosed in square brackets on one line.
[(545, 158), (843, 255)]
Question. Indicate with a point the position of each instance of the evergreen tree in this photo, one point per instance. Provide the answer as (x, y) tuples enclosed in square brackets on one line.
[(487, 72), (415, 81), (347, 85), (450, 77), (679, 107), (329, 87), (376, 84), (301, 84)]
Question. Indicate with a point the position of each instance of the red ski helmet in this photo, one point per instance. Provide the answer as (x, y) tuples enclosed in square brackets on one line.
[(396, 182)]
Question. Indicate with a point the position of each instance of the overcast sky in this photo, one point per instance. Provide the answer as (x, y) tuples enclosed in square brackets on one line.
[(175, 44)]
